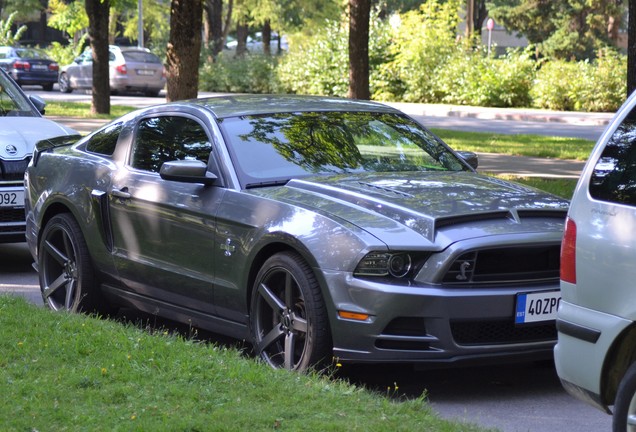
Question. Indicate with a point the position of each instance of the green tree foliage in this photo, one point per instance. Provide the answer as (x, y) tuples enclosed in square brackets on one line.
[(473, 78), (8, 36), (156, 23), (319, 64), (423, 41), (563, 29)]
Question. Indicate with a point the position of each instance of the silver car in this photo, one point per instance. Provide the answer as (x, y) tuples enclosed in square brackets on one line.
[(132, 69), (21, 126), (315, 228), (596, 350)]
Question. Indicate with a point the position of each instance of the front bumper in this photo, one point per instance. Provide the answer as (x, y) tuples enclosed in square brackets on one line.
[(432, 324), (584, 339)]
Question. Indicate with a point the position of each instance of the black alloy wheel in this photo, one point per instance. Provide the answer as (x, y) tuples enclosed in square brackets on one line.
[(66, 273), (288, 317)]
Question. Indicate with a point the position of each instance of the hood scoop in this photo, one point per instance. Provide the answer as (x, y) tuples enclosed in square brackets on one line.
[(368, 187)]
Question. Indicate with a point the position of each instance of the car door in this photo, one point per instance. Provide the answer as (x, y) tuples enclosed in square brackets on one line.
[(81, 72), (163, 231)]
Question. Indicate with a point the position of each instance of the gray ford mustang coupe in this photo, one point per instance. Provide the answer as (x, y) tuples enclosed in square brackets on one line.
[(315, 228)]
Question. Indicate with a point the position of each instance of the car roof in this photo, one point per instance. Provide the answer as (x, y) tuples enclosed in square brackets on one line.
[(245, 105)]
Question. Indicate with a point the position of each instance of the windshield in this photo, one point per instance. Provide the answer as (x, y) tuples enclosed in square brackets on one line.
[(12, 101), (283, 146)]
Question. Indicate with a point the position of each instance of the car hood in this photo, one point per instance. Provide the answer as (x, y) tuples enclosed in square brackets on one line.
[(404, 203), (18, 135)]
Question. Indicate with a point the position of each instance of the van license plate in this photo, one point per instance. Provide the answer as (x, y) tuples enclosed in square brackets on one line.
[(537, 307)]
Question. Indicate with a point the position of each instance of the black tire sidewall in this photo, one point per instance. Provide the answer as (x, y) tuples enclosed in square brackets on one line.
[(624, 396)]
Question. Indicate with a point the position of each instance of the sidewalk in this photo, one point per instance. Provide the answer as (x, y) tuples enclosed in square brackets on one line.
[(511, 114)]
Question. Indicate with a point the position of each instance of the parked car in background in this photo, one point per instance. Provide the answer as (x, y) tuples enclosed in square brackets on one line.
[(255, 44), (29, 66), (132, 69), (21, 126), (596, 351), (316, 228)]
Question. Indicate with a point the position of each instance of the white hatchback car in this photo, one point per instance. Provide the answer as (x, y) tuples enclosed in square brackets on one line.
[(132, 69), (596, 350)]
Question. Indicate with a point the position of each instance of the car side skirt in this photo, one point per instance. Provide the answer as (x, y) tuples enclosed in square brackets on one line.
[(187, 316)]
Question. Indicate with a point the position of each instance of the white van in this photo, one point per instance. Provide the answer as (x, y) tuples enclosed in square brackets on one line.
[(596, 350)]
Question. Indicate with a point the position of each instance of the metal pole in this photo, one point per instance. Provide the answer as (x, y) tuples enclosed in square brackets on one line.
[(140, 25)]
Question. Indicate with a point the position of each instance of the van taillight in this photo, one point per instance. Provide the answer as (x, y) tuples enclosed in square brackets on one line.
[(568, 252)]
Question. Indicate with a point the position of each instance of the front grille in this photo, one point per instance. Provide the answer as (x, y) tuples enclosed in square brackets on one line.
[(505, 265), (13, 170), (11, 215), (500, 332)]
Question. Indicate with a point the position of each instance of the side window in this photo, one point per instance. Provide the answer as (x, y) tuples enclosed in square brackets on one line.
[(614, 175), (169, 138), (105, 140)]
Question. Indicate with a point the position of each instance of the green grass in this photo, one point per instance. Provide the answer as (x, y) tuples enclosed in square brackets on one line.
[(66, 372), (83, 110), (561, 187), (518, 145)]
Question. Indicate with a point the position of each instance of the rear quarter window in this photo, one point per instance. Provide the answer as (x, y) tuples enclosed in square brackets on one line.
[(614, 176), (105, 140)]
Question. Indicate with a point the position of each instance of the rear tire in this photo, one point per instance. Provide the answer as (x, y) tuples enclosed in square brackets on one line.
[(625, 404), (47, 87), (64, 83), (67, 278), (288, 317)]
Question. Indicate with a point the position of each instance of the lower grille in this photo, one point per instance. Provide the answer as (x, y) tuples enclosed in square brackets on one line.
[(12, 215), (500, 332)]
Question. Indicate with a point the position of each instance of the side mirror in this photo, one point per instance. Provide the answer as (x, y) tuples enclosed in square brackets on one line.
[(38, 102), (470, 158), (187, 171)]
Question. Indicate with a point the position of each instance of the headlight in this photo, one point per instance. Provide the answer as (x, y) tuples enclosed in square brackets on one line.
[(379, 264)]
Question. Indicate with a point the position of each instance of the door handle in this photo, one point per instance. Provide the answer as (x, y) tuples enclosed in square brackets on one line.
[(121, 193)]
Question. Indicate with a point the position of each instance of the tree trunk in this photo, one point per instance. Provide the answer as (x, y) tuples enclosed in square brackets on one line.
[(470, 18), (359, 14), (481, 13), (214, 25), (43, 23), (267, 37), (98, 11), (184, 46), (631, 48), (241, 39)]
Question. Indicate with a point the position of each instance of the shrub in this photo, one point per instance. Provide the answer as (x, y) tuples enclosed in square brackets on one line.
[(582, 86), (472, 78), (254, 73), (318, 65), (423, 42)]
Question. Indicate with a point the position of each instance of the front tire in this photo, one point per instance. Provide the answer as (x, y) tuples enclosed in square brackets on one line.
[(67, 278), (64, 83), (288, 317), (625, 404)]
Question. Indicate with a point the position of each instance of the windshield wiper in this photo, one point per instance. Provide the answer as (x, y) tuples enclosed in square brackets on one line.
[(267, 184)]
